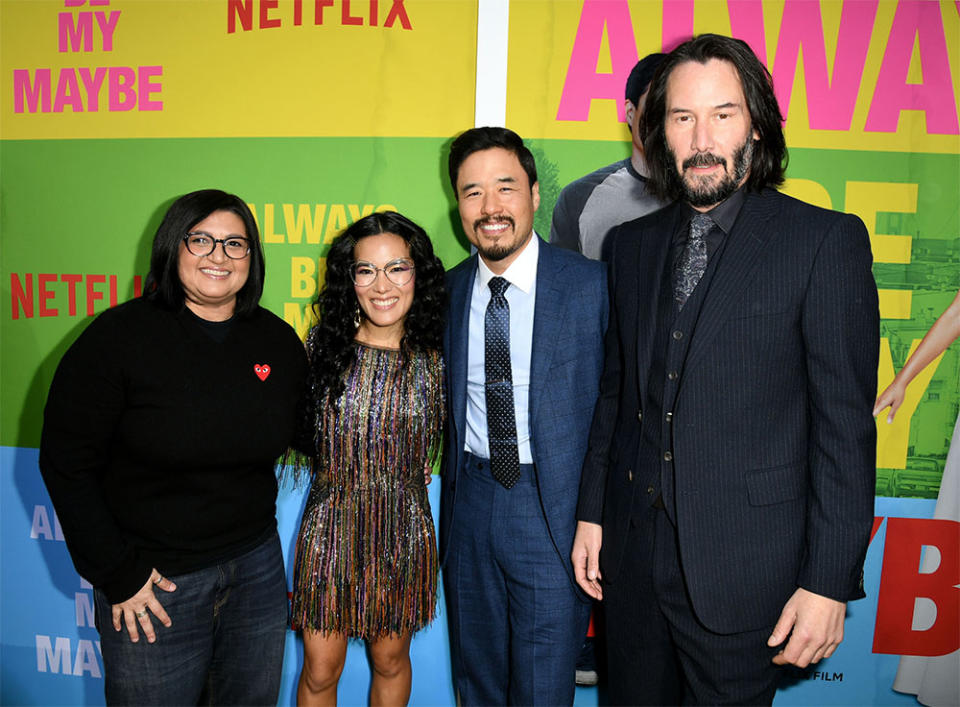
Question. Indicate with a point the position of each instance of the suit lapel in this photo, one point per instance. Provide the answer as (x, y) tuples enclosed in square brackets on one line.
[(548, 310), (741, 254), (457, 338), (651, 267)]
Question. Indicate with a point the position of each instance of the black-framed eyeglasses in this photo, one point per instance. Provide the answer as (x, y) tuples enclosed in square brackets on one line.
[(201, 244), (398, 271)]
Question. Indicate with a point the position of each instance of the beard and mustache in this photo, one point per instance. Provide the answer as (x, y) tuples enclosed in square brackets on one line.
[(702, 191), (504, 247)]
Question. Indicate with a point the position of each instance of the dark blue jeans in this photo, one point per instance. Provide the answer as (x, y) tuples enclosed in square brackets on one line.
[(225, 644)]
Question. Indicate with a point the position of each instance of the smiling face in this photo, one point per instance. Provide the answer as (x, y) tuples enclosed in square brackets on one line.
[(211, 282), (708, 130), (496, 204), (384, 304)]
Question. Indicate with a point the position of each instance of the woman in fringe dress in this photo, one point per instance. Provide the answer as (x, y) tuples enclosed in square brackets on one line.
[(366, 559)]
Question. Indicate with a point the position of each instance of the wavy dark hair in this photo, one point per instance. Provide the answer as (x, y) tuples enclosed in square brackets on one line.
[(769, 159), (163, 284), (477, 139), (330, 343)]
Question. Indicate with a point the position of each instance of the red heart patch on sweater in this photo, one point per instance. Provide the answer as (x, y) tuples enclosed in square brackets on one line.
[(262, 370)]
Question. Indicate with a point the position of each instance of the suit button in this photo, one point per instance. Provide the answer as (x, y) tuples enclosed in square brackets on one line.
[(630, 475), (668, 456), (639, 415), (669, 417), (678, 335), (672, 375), (649, 490)]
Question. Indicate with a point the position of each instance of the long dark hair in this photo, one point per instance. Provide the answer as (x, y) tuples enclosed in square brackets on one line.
[(769, 159), (163, 284), (330, 343)]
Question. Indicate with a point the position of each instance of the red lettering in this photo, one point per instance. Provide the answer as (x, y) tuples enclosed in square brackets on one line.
[(93, 295), (397, 10), (374, 10), (318, 6), (345, 17), (42, 280), (242, 10), (297, 13), (265, 21), (137, 286), (901, 582), (71, 281), (20, 295)]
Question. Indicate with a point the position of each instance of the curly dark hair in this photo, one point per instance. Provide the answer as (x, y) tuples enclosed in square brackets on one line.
[(769, 158), (330, 342)]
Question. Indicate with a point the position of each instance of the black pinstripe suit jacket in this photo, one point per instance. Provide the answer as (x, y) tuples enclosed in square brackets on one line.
[(774, 445)]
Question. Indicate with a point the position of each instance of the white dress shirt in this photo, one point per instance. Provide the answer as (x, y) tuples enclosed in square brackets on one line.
[(521, 296)]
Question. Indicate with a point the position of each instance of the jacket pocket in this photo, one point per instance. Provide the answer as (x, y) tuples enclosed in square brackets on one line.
[(777, 484)]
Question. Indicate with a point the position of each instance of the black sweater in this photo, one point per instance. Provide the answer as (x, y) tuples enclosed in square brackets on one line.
[(159, 442)]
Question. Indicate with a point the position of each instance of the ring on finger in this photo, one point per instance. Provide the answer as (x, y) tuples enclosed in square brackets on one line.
[(141, 613)]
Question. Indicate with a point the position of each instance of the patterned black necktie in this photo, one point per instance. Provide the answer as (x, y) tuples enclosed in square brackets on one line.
[(501, 419), (689, 267)]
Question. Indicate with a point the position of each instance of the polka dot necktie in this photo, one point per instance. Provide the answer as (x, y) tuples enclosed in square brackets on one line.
[(692, 262), (501, 418)]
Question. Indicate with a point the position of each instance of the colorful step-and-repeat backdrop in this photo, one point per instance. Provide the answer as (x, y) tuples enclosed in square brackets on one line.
[(320, 111)]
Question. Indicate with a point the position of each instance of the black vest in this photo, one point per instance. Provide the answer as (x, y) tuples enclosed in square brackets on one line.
[(672, 334)]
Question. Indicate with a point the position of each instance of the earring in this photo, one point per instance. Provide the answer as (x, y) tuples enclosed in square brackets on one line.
[(356, 316)]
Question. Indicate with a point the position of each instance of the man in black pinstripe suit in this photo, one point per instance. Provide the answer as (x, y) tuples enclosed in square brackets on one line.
[(727, 496)]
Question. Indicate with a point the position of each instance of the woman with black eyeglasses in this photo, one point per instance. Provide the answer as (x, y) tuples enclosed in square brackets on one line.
[(366, 564), (160, 434)]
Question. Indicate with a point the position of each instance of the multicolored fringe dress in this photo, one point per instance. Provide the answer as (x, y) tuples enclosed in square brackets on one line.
[(366, 558)]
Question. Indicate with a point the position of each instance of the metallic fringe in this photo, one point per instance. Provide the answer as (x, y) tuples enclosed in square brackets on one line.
[(366, 561)]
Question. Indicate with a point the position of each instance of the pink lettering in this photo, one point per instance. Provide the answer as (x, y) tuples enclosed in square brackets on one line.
[(920, 22), (677, 23), (746, 23), (92, 84), (582, 83), (122, 88), (75, 31), (68, 93), (830, 101), (148, 87), (32, 94), (107, 26)]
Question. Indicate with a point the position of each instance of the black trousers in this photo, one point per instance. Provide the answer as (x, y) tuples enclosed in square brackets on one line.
[(658, 652)]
